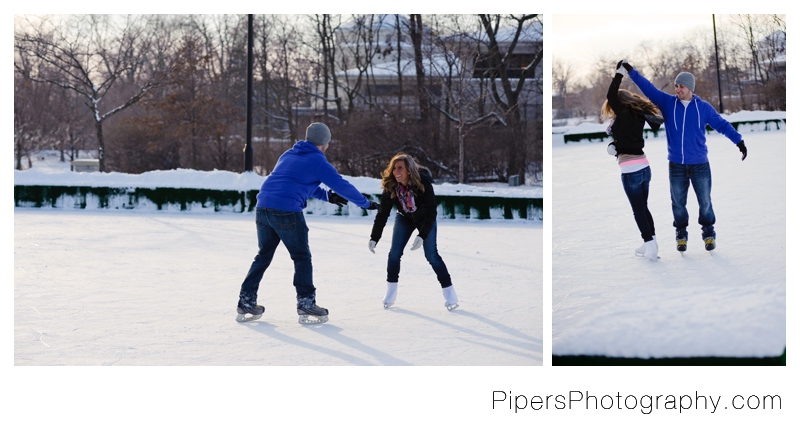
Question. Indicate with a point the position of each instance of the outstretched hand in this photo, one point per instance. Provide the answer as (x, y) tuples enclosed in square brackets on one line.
[(742, 149), (337, 199), (374, 206)]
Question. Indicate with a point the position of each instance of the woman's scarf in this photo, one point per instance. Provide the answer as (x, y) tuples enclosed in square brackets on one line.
[(406, 197)]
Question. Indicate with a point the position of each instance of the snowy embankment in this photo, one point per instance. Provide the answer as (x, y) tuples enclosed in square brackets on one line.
[(729, 303), (746, 121), (58, 174), (51, 184)]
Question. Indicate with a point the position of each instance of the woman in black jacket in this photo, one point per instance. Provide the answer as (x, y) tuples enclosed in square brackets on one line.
[(410, 190), (628, 113)]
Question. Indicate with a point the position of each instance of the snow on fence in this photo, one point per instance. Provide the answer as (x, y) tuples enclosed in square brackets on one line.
[(206, 200), (597, 132)]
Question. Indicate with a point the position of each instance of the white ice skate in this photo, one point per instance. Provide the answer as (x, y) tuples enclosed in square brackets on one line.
[(450, 297), (651, 250), (391, 294), (639, 252)]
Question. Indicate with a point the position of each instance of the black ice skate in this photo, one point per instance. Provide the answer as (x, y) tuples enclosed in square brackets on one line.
[(249, 313), (312, 314), (711, 243), (681, 245)]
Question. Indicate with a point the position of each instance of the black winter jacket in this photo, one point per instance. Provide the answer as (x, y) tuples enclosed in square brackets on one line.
[(423, 218), (628, 126)]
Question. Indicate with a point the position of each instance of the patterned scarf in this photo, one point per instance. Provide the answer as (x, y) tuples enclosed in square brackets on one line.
[(406, 197)]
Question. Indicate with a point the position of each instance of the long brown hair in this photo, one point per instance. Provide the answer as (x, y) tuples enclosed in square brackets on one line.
[(632, 101), (389, 183)]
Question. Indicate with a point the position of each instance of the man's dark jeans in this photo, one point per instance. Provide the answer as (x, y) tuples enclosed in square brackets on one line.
[(699, 176), (274, 226)]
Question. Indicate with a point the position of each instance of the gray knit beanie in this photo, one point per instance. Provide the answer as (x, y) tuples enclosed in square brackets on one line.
[(686, 79), (318, 134)]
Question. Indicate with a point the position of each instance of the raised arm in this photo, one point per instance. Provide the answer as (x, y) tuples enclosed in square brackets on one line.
[(613, 94), (655, 95)]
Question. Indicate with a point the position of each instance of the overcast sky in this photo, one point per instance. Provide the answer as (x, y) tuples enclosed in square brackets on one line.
[(581, 40)]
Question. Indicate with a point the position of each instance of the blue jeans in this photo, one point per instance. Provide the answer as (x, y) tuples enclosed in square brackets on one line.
[(637, 188), (699, 175), (274, 226), (403, 229)]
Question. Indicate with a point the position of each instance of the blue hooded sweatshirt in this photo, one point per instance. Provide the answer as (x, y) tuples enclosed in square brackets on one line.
[(685, 126), (297, 177)]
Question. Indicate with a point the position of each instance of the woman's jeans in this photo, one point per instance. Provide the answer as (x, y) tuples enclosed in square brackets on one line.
[(699, 175), (403, 229), (274, 226), (637, 188)]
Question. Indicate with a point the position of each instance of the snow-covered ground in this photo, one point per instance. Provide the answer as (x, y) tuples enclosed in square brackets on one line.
[(606, 301)]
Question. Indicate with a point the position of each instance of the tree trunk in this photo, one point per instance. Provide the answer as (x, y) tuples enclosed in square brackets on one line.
[(422, 94), (461, 151), (399, 66), (101, 145)]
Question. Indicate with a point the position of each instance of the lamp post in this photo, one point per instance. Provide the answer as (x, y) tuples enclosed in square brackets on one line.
[(248, 145), (716, 53)]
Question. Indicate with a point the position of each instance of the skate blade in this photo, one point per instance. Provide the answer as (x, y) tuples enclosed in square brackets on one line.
[(246, 318), (312, 319), (451, 306), (387, 305)]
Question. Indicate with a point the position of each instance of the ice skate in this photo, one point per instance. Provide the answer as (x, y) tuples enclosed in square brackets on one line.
[(651, 250), (311, 313), (450, 297), (681, 245), (248, 313), (711, 243), (391, 294), (639, 252)]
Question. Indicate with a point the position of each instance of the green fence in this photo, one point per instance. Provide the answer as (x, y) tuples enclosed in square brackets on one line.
[(187, 199)]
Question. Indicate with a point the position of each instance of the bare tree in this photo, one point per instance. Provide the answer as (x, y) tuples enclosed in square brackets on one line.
[(34, 128), (563, 85), (88, 55), (500, 60), (463, 95)]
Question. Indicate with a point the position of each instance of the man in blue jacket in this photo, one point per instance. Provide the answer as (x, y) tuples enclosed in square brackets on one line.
[(279, 218), (685, 119)]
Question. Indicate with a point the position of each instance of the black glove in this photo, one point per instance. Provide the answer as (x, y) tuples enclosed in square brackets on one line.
[(626, 65), (374, 206), (337, 199), (742, 149)]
